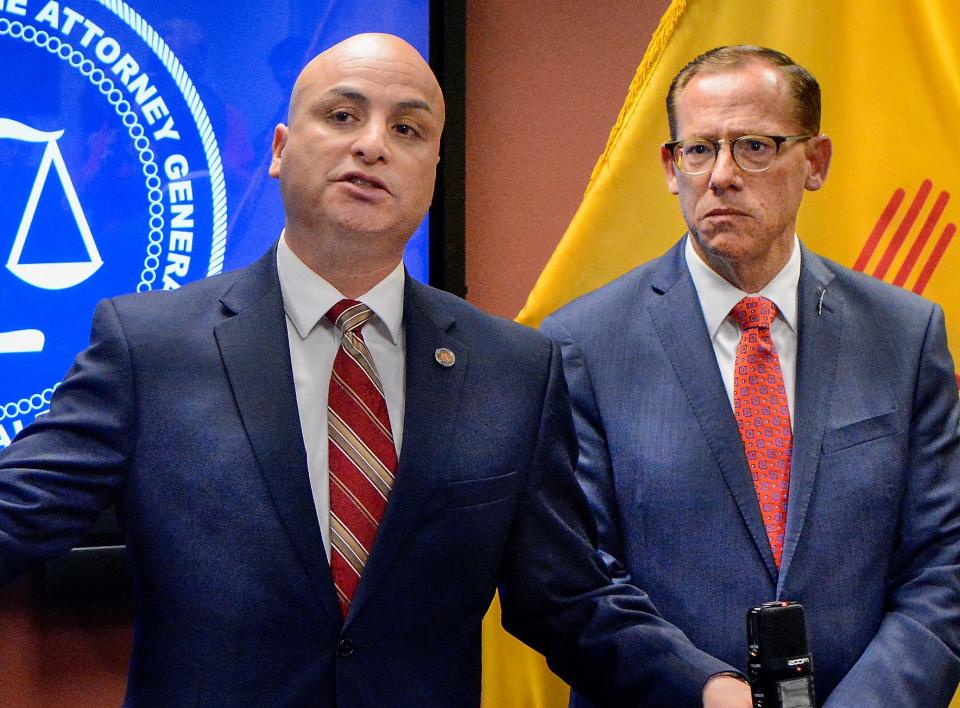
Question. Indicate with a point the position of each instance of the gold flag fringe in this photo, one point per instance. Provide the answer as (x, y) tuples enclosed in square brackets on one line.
[(658, 43)]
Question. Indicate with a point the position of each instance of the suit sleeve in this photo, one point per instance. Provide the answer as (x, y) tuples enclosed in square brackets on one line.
[(606, 640), (913, 659), (65, 467), (594, 469)]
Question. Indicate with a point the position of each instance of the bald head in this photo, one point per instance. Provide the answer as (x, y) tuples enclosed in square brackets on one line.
[(386, 54)]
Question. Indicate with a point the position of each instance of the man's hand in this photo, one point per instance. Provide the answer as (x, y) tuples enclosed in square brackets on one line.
[(724, 691)]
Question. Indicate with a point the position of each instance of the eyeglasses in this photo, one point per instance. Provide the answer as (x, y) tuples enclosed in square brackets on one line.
[(752, 153)]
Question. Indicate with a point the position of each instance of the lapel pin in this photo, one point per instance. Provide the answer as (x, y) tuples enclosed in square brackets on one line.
[(445, 357)]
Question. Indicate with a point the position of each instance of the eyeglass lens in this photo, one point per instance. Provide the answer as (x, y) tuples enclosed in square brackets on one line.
[(751, 152)]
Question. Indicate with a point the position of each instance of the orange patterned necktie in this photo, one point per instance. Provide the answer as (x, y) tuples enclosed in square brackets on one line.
[(763, 416), (363, 458)]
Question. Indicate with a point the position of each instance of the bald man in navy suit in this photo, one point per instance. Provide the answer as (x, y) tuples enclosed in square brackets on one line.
[(204, 413)]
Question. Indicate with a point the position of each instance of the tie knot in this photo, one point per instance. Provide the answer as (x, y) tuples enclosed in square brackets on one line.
[(349, 315), (754, 313)]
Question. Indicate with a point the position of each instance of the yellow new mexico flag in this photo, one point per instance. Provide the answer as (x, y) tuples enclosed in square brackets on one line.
[(890, 76)]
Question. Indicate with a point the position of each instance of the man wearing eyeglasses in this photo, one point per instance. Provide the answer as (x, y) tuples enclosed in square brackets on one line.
[(759, 423)]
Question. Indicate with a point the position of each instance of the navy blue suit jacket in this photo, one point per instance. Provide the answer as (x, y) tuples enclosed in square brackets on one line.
[(183, 409), (872, 544)]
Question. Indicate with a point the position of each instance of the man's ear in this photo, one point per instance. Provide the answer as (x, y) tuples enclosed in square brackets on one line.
[(279, 143), (669, 169), (819, 152)]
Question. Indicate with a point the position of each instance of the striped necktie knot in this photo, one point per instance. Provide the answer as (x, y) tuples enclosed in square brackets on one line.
[(754, 313), (349, 315)]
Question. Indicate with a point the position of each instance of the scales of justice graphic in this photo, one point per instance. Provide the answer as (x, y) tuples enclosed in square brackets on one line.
[(51, 275)]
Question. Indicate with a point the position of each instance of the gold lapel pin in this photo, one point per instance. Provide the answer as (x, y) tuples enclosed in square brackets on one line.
[(445, 357)]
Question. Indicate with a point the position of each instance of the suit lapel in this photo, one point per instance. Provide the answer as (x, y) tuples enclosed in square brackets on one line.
[(253, 346), (432, 399), (679, 324), (819, 327)]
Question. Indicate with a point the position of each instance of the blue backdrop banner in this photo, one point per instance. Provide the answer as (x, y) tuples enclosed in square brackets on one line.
[(134, 144)]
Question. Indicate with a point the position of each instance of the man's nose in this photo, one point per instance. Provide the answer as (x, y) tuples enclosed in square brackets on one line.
[(371, 143), (726, 173)]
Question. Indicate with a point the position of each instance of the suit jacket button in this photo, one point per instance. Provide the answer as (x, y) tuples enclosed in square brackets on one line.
[(346, 647)]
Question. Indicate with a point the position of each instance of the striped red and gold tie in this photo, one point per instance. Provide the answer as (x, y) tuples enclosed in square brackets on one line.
[(362, 456)]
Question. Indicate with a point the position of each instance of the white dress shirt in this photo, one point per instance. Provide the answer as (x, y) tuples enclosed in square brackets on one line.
[(314, 342), (717, 297)]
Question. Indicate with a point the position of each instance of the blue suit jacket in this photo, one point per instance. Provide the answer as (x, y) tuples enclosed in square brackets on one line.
[(183, 409), (873, 524)]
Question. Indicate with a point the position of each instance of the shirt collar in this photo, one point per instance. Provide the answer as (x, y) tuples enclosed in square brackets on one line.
[(718, 296), (307, 296)]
